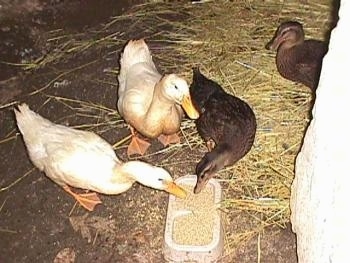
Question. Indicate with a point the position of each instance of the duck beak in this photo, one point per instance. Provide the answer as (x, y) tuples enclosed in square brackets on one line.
[(268, 46), (274, 43), (189, 107), (176, 190)]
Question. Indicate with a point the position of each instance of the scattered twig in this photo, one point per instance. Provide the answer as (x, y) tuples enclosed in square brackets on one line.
[(17, 180)]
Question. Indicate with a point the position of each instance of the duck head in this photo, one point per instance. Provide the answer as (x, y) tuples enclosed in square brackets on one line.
[(151, 176), (177, 89), (205, 170), (288, 34), (211, 163)]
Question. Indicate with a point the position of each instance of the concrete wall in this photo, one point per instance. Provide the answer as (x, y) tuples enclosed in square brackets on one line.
[(321, 189)]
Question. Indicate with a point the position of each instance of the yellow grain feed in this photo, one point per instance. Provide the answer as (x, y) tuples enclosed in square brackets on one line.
[(195, 225)]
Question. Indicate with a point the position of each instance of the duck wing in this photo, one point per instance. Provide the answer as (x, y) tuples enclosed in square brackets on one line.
[(309, 64), (228, 119), (231, 123), (66, 155), (137, 78)]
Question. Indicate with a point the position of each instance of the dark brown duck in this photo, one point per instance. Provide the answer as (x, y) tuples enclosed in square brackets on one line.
[(226, 123), (297, 59)]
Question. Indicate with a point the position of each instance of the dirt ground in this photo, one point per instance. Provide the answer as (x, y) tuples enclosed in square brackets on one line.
[(38, 220)]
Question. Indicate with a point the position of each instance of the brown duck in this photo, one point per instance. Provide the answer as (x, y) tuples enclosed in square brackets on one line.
[(297, 59), (226, 123)]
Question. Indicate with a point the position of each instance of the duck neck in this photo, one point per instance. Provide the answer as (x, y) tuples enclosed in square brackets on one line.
[(286, 60), (160, 107), (134, 171)]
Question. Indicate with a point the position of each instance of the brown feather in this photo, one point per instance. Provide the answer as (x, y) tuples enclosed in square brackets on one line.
[(224, 119), (297, 59)]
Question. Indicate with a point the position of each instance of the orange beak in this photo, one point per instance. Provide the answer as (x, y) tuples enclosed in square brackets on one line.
[(189, 108), (176, 190)]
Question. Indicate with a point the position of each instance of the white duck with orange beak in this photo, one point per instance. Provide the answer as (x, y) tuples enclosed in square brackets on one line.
[(150, 103), (82, 159)]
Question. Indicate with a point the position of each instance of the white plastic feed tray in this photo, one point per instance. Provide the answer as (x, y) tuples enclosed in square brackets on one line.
[(193, 230)]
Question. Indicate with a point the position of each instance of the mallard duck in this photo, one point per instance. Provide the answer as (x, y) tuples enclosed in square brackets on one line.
[(84, 160), (149, 102), (226, 123), (297, 59)]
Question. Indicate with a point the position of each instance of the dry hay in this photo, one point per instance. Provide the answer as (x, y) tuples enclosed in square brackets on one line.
[(226, 39)]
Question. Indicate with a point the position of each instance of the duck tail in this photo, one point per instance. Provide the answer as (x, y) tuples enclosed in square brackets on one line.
[(30, 124), (202, 88), (197, 77), (211, 163), (135, 51), (28, 121)]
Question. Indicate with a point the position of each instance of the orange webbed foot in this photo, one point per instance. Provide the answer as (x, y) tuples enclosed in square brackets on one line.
[(168, 139), (137, 146), (88, 200)]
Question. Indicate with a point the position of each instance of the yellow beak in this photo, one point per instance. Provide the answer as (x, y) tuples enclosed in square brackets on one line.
[(176, 190), (189, 107)]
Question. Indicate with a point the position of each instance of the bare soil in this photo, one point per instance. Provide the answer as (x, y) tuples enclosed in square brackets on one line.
[(39, 222)]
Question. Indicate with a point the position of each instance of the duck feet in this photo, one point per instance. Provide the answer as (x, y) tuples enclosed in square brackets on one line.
[(168, 139), (88, 200), (137, 146)]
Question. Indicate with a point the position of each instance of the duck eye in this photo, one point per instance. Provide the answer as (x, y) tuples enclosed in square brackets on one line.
[(176, 87), (284, 32), (160, 179)]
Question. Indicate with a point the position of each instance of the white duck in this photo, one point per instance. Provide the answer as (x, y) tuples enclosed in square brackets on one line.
[(149, 102), (84, 160)]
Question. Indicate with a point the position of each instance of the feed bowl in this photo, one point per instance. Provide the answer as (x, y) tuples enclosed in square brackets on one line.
[(193, 230)]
